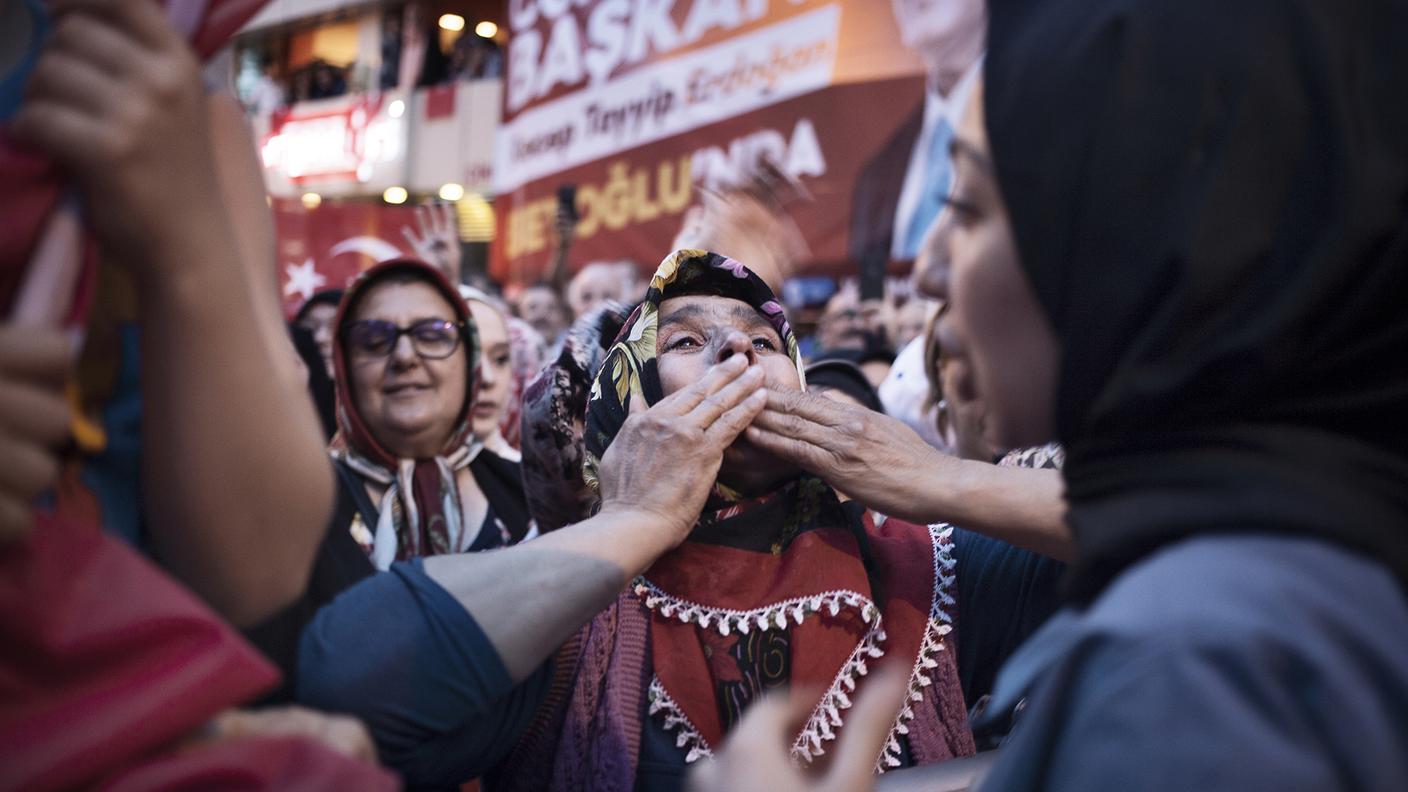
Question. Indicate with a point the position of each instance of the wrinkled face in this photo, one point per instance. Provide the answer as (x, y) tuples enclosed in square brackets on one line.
[(994, 333), (409, 402), (318, 321), (697, 332), (947, 34), (540, 308), (495, 369)]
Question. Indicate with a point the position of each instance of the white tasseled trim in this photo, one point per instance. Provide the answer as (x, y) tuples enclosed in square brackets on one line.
[(726, 621), (940, 625), (826, 718), (675, 718), (821, 726)]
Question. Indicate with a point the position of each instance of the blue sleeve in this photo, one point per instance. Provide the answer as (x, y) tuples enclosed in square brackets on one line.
[(1161, 715), (401, 654), (1004, 594)]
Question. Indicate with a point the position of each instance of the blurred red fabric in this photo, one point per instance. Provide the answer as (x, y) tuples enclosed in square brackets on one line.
[(108, 662)]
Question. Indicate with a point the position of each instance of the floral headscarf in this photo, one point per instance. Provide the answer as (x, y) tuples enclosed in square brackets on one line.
[(630, 366), (420, 512)]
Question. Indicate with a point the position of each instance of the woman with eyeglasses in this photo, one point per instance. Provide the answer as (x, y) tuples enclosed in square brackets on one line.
[(413, 478), (406, 360)]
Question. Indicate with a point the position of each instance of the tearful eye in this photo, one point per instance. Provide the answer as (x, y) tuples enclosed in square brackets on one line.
[(683, 342), (764, 345)]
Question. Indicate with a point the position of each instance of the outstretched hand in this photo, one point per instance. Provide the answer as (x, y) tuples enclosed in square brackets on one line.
[(665, 458), (755, 757), (870, 457)]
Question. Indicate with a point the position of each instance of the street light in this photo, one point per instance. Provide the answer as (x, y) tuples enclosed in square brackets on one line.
[(486, 29), (452, 22), (395, 195)]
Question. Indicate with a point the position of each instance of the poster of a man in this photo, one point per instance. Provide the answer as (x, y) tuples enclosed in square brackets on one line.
[(901, 190)]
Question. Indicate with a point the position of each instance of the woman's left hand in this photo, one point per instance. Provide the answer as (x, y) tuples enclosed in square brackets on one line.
[(872, 458)]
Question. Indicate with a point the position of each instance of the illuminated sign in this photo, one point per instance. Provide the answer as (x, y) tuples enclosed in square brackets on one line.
[(335, 140)]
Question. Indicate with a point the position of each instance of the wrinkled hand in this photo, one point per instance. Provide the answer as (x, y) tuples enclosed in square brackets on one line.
[(755, 757), (665, 459), (116, 99), (872, 458), (435, 239), (341, 733), (34, 420)]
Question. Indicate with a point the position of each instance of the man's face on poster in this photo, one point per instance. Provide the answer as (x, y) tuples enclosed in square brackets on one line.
[(942, 30)]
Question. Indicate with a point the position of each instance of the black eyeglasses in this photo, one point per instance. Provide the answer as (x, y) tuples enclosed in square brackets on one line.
[(431, 338)]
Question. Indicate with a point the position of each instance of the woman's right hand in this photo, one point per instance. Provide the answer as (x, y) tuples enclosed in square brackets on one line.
[(665, 459)]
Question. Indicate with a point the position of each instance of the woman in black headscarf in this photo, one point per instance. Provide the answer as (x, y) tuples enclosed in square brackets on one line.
[(1201, 292)]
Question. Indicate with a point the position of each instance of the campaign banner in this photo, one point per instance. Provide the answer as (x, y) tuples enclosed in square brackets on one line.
[(638, 103)]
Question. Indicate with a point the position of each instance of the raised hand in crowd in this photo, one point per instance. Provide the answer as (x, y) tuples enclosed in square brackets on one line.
[(176, 201), (755, 758), (116, 99), (565, 232), (886, 466), (436, 240), (34, 420), (750, 223)]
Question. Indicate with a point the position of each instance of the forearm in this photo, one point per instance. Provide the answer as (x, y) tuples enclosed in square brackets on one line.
[(530, 598), (238, 490), (430, 687), (241, 179), (1022, 507), (557, 270)]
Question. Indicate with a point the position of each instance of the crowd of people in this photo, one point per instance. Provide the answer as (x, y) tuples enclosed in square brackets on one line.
[(1115, 498), (410, 57)]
